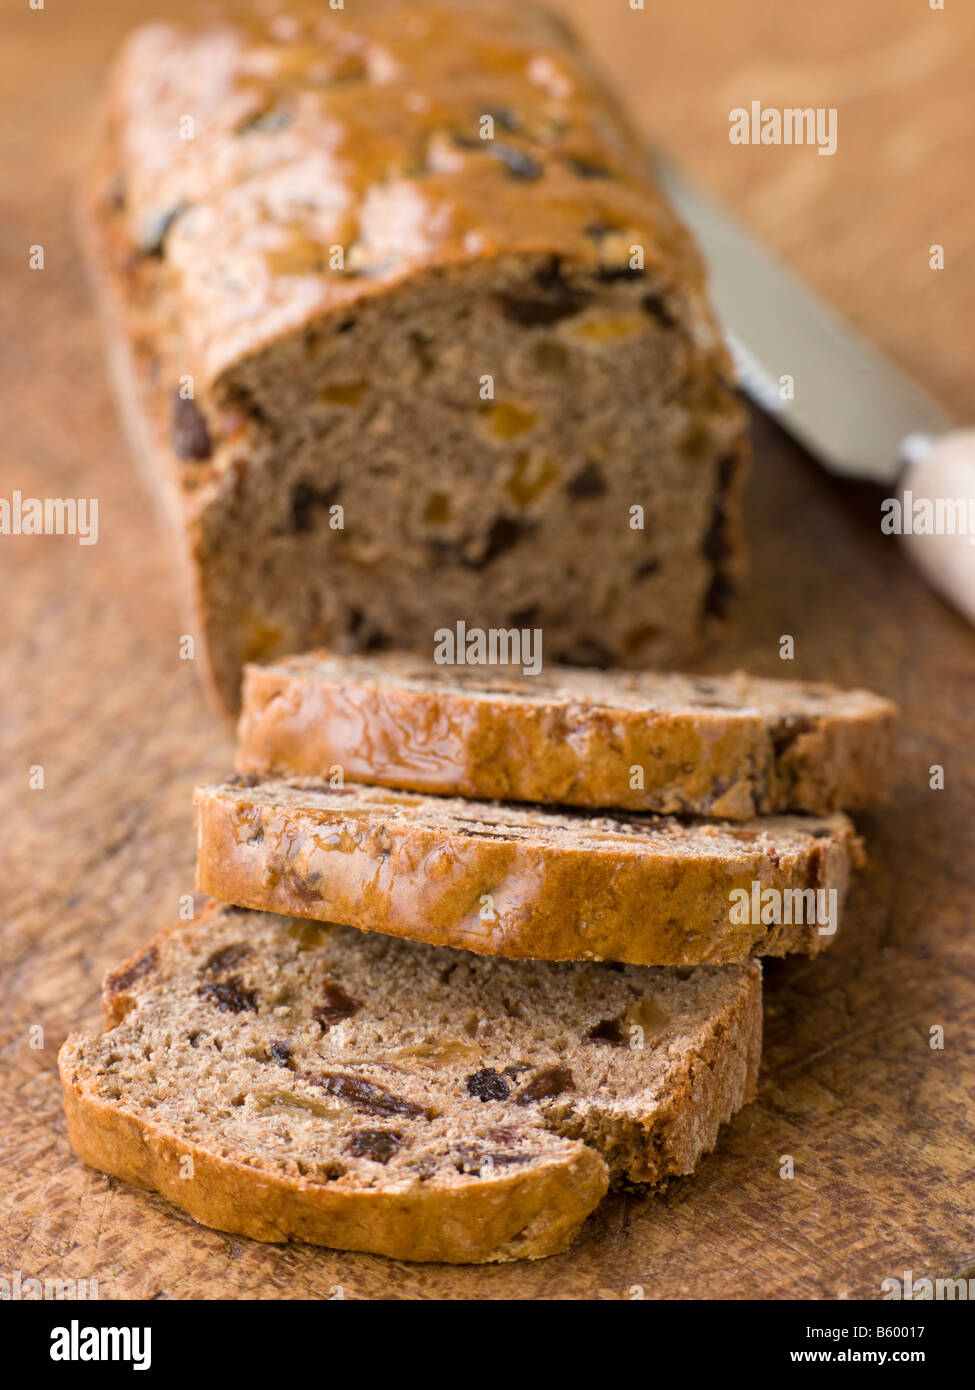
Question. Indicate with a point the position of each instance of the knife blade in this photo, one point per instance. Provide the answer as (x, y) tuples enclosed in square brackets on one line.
[(852, 408)]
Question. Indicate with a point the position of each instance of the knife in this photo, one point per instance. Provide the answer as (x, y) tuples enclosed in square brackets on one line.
[(852, 408)]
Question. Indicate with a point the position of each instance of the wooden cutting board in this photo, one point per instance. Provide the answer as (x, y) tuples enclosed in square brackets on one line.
[(879, 1124)]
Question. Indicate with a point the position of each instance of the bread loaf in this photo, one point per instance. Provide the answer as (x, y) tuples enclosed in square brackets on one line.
[(284, 1080), (728, 746), (406, 334), (525, 882)]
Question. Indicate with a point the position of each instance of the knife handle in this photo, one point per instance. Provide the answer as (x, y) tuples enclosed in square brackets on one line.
[(942, 470)]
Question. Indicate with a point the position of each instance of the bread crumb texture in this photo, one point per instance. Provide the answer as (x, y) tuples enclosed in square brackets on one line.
[(284, 1079)]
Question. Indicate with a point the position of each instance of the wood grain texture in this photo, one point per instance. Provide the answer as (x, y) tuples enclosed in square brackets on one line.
[(880, 1126)]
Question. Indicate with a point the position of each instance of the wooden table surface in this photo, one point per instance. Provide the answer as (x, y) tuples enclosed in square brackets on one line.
[(880, 1125)]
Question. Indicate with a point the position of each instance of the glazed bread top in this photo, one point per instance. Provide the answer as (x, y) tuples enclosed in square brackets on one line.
[(285, 167), (733, 746), (522, 881)]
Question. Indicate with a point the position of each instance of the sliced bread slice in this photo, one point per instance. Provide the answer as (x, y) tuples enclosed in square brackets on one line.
[(285, 1080), (728, 746), (525, 882)]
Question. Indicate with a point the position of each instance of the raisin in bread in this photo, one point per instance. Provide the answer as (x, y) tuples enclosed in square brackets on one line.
[(283, 1080), (388, 372), (525, 882), (729, 746)]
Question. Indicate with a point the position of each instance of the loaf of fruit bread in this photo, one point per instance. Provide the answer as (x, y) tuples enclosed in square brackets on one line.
[(407, 334), (525, 882), (728, 746), (285, 1080)]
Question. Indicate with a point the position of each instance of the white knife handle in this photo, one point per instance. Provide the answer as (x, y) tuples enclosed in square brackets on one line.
[(943, 469)]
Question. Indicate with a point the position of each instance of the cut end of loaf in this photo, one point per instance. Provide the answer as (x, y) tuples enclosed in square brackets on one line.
[(386, 496)]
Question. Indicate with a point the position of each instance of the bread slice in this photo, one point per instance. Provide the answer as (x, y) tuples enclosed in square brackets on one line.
[(285, 1080), (729, 746), (407, 334), (524, 882)]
